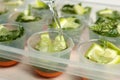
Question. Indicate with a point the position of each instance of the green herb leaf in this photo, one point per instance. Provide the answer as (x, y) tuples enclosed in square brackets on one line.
[(68, 9), (6, 35), (106, 28)]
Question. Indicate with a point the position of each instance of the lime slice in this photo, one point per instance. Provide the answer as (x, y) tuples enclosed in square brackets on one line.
[(100, 55), (59, 43), (105, 11), (91, 53), (44, 44), (92, 49), (79, 9), (107, 56)]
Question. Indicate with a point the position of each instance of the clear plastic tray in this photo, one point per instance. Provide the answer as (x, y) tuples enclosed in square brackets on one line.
[(75, 65)]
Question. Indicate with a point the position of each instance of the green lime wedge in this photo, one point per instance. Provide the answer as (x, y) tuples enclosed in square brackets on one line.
[(100, 55), (63, 22), (47, 45), (44, 44), (59, 43), (79, 9), (28, 17), (71, 23), (68, 23), (40, 4), (105, 11)]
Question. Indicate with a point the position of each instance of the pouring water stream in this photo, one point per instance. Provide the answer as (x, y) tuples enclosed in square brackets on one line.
[(51, 4)]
